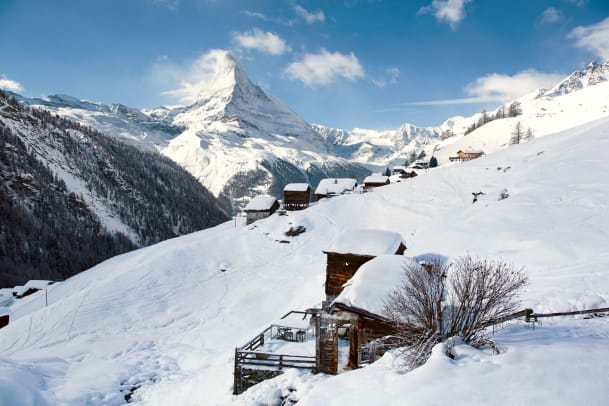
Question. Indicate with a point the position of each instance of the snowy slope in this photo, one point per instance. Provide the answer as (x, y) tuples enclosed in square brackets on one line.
[(581, 97), (168, 317)]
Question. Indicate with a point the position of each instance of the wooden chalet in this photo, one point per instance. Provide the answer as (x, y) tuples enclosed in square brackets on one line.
[(334, 187), (373, 181), (466, 155), (260, 207), (354, 248), (398, 170), (360, 306), (407, 175), (296, 196)]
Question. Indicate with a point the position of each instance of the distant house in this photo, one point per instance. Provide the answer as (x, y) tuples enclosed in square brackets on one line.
[(466, 155), (398, 170), (30, 287), (407, 175), (260, 207), (419, 164), (373, 181), (334, 187), (354, 248), (296, 196), (361, 304)]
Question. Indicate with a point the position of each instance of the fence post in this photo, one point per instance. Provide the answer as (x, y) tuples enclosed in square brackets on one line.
[(237, 375)]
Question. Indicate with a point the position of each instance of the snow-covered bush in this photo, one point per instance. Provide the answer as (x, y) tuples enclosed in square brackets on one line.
[(437, 301)]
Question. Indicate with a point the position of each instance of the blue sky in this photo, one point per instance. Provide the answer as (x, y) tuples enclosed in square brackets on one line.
[(342, 63)]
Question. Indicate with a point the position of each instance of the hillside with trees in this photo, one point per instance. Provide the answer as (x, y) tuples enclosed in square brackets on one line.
[(71, 197)]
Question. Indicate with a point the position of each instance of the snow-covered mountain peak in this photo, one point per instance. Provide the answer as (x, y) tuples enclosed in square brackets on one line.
[(593, 74)]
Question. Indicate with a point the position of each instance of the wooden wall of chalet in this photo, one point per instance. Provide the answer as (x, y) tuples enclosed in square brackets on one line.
[(366, 330), (340, 268), (296, 200)]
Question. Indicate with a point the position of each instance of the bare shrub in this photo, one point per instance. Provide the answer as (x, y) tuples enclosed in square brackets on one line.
[(437, 301)]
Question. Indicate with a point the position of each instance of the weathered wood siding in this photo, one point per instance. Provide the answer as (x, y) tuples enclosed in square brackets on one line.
[(340, 268), (366, 330), (294, 200)]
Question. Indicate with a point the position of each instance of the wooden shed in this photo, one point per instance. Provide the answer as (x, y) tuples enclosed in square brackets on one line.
[(354, 248), (334, 186), (373, 181), (296, 196), (260, 207)]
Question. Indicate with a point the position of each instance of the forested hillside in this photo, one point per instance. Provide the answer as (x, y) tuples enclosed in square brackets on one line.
[(71, 197)]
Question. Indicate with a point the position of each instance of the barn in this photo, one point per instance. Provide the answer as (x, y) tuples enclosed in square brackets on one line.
[(296, 196), (334, 186), (260, 207), (373, 181)]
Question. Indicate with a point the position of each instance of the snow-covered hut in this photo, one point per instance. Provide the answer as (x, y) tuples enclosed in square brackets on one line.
[(30, 287), (334, 186), (373, 181), (398, 170), (296, 196), (352, 249), (260, 207), (361, 302)]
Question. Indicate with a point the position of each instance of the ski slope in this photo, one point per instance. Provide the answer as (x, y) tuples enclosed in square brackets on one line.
[(166, 318)]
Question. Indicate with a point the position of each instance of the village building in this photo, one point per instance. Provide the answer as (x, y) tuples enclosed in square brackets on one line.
[(373, 181), (466, 155), (260, 207), (334, 187), (420, 164), (30, 287), (398, 170), (360, 306), (296, 196)]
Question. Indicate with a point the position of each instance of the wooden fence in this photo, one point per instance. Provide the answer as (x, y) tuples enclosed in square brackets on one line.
[(247, 356)]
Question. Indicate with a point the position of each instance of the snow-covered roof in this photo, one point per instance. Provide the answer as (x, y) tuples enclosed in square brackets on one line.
[(376, 179), (399, 168), (335, 186), (367, 242), (296, 187), (373, 282), (472, 151), (32, 284), (260, 203)]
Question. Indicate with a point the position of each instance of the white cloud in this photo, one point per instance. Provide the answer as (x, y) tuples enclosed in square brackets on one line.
[(325, 67), (255, 14), (310, 16), (551, 15), (257, 39), (496, 87), (594, 38), (578, 3), (189, 79), (449, 11), (390, 78), (10, 85)]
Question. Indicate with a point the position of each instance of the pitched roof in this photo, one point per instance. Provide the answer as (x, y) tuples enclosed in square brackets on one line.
[(260, 203), (335, 186), (376, 179), (367, 242), (373, 283)]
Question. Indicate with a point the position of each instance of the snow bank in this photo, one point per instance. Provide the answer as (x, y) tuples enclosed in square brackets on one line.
[(374, 281)]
